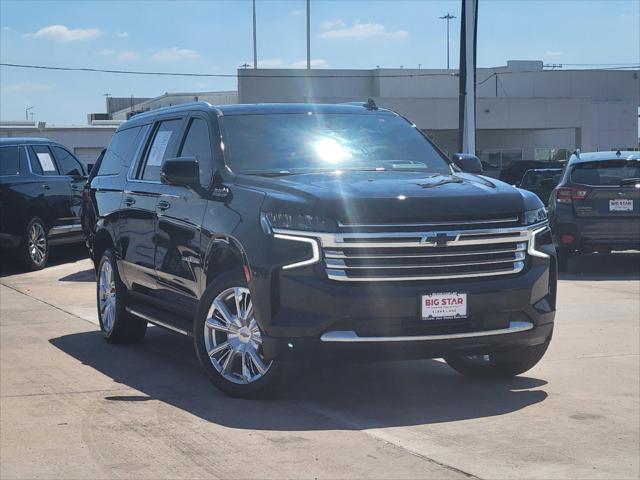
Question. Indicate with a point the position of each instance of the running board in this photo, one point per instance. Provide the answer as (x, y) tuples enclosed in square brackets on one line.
[(352, 337), (155, 321)]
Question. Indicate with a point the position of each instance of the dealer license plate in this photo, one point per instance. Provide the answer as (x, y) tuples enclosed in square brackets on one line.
[(621, 205), (437, 306)]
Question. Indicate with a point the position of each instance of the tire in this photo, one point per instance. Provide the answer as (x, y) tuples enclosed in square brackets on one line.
[(35, 245), (237, 367), (116, 324), (503, 364)]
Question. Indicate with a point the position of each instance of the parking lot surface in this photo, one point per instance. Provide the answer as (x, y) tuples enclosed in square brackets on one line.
[(74, 406)]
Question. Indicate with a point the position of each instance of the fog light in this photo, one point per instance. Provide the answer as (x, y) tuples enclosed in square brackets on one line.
[(567, 238)]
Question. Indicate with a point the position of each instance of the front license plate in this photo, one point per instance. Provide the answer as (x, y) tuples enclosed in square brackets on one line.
[(437, 306), (621, 205)]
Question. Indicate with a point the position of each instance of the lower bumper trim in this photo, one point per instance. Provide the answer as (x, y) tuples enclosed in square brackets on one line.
[(353, 337)]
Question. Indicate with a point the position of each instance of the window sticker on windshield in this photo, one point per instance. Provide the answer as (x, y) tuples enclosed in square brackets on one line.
[(158, 148), (46, 162)]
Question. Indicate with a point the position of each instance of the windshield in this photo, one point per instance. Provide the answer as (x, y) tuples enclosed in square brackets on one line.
[(606, 172), (290, 143)]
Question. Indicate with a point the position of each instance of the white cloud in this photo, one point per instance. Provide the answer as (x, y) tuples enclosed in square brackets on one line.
[(122, 34), (27, 87), (364, 30), (271, 63), (315, 63), (106, 52), (173, 54), (329, 24), (6, 29), (61, 33), (553, 53), (296, 12), (127, 56)]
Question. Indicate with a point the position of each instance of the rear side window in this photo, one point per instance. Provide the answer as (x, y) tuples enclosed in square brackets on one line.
[(10, 160), (42, 160), (162, 146), (197, 144), (120, 151), (606, 172), (67, 163)]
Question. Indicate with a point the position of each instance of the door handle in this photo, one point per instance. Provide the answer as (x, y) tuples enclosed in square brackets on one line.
[(46, 187), (129, 201), (163, 205)]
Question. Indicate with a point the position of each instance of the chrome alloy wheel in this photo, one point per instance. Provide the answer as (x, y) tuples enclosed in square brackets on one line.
[(37, 243), (107, 296), (232, 337)]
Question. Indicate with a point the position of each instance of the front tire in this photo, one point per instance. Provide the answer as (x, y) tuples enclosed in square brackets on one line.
[(35, 245), (228, 340), (502, 364), (116, 324)]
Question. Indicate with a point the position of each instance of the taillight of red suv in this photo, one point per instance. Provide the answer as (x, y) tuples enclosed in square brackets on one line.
[(569, 194)]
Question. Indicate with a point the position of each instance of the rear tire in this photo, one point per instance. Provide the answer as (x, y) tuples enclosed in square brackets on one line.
[(116, 324), (504, 364), (228, 340), (35, 245)]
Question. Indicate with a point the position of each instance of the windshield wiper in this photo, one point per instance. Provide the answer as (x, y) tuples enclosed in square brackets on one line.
[(266, 173)]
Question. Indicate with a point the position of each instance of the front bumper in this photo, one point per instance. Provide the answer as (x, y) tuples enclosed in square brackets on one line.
[(313, 318)]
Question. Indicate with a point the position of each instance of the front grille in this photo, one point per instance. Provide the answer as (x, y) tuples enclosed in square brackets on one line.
[(404, 255)]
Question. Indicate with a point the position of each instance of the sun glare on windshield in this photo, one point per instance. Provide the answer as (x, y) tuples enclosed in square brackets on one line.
[(331, 151)]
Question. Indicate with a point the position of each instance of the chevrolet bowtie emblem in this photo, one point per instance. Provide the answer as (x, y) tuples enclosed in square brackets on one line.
[(438, 239)]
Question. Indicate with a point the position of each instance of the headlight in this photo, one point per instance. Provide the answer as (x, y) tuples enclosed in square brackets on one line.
[(534, 216), (296, 221)]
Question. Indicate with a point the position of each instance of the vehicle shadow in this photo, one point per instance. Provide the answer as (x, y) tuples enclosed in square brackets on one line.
[(10, 263), (604, 266), (88, 275), (356, 396)]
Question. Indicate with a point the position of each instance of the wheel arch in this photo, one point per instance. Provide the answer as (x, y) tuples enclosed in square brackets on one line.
[(224, 254), (102, 241)]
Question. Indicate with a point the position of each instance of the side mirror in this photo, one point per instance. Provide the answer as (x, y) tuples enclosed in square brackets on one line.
[(467, 162), (183, 171)]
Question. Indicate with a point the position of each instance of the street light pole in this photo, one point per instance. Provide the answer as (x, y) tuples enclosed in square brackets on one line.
[(448, 17), (255, 47), (26, 113), (308, 34)]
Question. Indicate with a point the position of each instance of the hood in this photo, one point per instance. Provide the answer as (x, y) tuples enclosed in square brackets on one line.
[(389, 196)]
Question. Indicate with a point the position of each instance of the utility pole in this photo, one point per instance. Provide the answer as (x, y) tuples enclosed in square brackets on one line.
[(448, 17), (308, 34), (255, 45)]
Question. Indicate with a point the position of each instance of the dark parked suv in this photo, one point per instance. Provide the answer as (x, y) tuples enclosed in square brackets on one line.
[(596, 205), (40, 197), (272, 233)]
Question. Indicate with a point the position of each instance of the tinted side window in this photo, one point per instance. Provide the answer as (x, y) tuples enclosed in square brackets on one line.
[(67, 163), (119, 153), (42, 160), (10, 160), (197, 144), (161, 147)]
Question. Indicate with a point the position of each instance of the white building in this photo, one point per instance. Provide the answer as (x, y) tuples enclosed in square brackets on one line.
[(85, 141), (524, 112)]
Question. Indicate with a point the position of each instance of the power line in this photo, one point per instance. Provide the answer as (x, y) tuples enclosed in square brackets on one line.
[(248, 73)]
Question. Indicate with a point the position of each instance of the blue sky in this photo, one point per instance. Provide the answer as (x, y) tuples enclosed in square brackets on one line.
[(215, 37)]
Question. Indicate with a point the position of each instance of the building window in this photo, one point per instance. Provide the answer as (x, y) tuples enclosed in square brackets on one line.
[(499, 159), (552, 154)]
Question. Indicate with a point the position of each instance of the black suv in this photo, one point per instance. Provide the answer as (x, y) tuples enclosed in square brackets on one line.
[(596, 205), (272, 233), (41, 186)]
